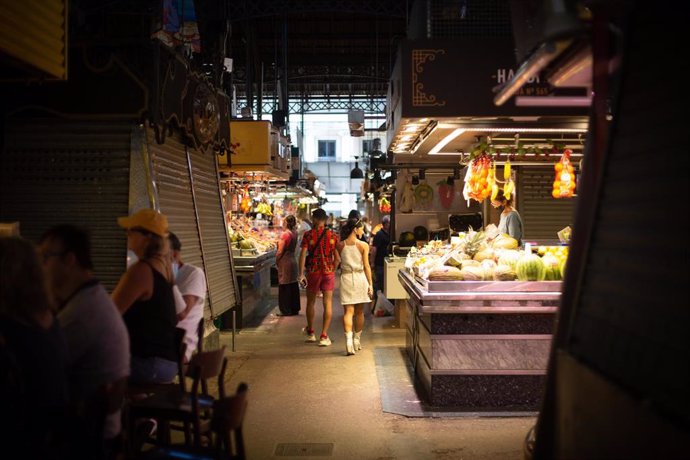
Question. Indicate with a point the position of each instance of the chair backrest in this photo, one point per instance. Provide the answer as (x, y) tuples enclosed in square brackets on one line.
[(181, 348), (206, 365), (228, 417)]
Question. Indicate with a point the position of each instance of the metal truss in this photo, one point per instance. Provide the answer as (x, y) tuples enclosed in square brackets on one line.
[(296, 106)]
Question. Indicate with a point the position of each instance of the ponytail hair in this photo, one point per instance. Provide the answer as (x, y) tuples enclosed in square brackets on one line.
[(349, 227), (291, 222)]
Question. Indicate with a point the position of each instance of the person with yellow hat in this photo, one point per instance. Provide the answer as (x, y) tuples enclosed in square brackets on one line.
[(144, 295)]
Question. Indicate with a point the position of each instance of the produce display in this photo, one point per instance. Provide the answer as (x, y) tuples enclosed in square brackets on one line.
[(481, 181), (245, 234), (564, 182), (486, 256), (385, 206)]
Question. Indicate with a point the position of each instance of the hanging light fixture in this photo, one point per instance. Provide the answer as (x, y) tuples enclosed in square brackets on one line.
[(356, 173)]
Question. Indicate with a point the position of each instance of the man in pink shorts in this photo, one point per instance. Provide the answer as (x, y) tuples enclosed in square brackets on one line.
[(318, 259)]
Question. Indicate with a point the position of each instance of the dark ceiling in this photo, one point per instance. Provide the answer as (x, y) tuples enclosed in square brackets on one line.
[(333, 50)]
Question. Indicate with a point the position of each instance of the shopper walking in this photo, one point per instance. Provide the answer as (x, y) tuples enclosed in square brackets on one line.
[(191, 282), (355, 282), (144, 295), (317, 261), (379, 251)]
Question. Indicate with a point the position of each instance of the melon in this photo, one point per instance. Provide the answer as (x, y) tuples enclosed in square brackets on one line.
[(552, 270), (505, 241), (504, 273), (509, 258), (530, 268), (246, 244), (472, 273), (484, 254), (488, 266)]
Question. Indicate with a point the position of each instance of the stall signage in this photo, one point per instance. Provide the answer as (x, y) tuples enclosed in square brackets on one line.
[(460, 77)]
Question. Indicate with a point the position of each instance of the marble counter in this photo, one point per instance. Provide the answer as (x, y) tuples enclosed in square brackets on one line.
[(483, 347)]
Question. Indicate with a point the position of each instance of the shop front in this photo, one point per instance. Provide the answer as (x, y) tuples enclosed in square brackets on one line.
[(478, 306)]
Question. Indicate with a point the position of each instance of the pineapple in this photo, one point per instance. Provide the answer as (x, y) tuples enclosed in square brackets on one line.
[(473, 243)]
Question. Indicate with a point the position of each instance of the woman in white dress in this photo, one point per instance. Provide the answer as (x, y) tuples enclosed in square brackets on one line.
[(355, 282)]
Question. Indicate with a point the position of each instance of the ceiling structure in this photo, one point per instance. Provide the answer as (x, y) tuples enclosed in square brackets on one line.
[(336, 55)]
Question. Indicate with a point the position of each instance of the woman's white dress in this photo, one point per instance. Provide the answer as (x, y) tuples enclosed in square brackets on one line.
[(353, 280)]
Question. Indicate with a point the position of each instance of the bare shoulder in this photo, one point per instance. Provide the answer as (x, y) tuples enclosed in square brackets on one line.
[(362, 245)]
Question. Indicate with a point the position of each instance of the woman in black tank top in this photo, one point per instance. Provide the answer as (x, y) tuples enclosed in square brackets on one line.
[(145, 298)]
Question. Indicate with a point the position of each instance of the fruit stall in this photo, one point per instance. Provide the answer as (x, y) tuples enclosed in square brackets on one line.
[(480, 314)]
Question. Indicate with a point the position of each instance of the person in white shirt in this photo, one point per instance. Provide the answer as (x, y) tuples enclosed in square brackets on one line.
[(191, 282)]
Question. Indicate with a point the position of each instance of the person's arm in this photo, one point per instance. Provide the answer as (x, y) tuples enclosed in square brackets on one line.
[(367, 269), (337, 253), (135, 284), (302, 261), (281, 247), (190, 301)]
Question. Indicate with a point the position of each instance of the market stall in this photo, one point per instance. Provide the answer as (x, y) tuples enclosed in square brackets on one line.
[(480, 315)]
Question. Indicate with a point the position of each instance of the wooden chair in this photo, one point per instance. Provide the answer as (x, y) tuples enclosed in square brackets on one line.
[(191, 408), (142, 390), (226, 423)]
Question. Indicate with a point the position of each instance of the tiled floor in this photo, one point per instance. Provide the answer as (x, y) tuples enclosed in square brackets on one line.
[(302, 396)]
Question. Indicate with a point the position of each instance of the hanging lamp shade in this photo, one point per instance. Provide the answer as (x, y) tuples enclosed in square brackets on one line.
[(356, 173)]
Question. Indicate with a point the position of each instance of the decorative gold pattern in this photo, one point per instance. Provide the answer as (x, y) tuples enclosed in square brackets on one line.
[(419, 97)]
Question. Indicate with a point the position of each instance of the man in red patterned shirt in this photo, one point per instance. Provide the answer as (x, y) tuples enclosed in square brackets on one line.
[(319, 267)]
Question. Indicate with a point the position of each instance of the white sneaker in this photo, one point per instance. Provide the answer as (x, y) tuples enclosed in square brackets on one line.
[(356, 341), (310, 335), (349, 346), (324, 342)]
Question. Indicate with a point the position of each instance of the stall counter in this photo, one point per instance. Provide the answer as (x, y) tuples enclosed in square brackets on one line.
[(480, 346), (254, 279)]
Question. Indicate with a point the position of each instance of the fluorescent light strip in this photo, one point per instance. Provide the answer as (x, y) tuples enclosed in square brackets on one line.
[(437, 148), (528, 130)]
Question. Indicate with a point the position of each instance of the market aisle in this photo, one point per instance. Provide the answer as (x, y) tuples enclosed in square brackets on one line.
[(303, 393)]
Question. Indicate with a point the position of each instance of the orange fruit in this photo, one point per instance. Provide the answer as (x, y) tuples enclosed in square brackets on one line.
[(555, 193), (558, 167)]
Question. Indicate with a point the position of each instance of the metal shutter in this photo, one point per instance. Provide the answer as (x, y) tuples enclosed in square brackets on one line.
[(542, 215), (173, 183), (214, 236), (69, 171)]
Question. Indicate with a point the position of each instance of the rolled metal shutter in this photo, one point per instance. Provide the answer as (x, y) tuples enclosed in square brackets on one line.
[(542, 215), (220, 272), (69, 171)]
